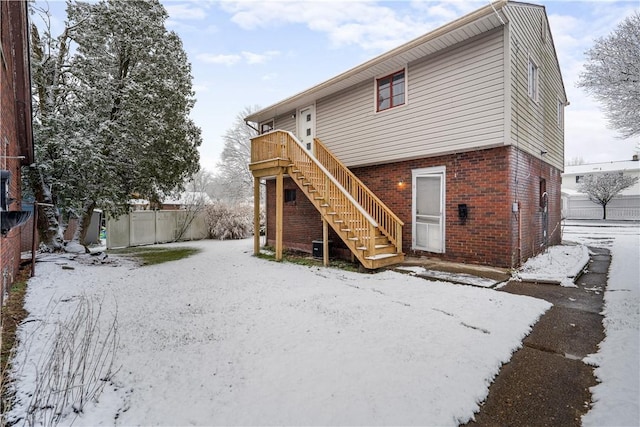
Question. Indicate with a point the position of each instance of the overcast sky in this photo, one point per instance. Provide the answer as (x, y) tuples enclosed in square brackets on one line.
[(246, 53)]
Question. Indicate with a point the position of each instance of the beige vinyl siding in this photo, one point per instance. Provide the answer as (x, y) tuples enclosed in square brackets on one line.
[(286, 122), (534, 126), (454, 103)]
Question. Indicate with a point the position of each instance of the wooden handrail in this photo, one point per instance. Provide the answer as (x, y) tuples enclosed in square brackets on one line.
[(390, 225), (359, 209)]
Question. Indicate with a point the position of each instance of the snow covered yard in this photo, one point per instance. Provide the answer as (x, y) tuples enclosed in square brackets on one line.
[(617, 398), (226, 338)]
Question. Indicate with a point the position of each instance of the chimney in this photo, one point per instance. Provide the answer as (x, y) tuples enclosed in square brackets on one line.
[(635, 158)]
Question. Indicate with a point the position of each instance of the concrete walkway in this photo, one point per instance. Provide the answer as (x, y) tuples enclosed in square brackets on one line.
[(546, 383)]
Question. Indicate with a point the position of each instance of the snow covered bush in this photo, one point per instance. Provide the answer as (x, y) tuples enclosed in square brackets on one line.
[(226, 221)]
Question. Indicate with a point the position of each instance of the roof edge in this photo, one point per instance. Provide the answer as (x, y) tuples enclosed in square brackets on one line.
[(492, 7)]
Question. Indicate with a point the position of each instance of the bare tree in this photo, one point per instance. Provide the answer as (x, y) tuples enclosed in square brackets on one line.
[(234, 161), (601, 188), (575, 161), (194, 201), (612, 75)]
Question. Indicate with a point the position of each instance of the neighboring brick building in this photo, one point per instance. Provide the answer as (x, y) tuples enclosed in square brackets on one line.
[(16, 144), (458, 134)]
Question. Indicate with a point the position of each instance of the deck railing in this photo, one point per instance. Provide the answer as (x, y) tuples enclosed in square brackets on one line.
[(358, 208), (269, 146), (354, 218), (390, 225)]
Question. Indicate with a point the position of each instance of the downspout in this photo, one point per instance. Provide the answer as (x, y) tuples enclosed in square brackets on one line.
[(248, 124)]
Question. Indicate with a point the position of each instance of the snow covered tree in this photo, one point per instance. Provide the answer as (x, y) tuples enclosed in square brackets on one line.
[(612, 75), (575, 161), (51, 107), (129, 93), (234, 170), (601, 188)]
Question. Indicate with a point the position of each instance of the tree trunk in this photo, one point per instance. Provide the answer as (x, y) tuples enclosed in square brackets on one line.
[(84, 222), (48, 226), (604, 211)]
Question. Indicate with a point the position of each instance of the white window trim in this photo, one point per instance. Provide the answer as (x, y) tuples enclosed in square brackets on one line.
[(443, 199), (533, 88), (375, 90)]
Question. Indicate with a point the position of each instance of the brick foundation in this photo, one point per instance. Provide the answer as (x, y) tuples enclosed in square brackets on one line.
[(487, 181)]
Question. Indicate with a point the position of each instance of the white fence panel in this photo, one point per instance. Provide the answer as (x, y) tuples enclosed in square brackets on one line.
[(149, 227), (198, 229), (143, 228), (166, 223), (620, 208), (118, 232)]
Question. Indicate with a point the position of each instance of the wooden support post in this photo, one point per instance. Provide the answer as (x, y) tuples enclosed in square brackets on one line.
[(325, 242), (256, 216), (279, 214)]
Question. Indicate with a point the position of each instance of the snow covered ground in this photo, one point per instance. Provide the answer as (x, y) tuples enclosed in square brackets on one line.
[(617, 397), (226, 338)]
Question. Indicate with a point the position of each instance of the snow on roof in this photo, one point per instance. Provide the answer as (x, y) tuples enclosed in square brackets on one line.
[(623, 165), (190, 198), (138, 202)]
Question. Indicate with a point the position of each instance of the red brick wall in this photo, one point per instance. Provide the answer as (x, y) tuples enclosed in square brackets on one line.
[(302, 222), (12, 75), (485, 180), (477, 179), (526, 172)]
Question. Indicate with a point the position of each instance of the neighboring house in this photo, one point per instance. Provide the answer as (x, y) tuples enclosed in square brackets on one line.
[(139, 204), (187, 199), (449, 146), (576, 205), (16, 143)]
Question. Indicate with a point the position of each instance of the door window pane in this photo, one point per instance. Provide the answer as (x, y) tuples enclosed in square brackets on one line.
[(428, 200)]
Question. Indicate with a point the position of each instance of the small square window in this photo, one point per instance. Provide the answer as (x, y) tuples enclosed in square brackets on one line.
[(308, 132), (308, 117), (266, 127), (579, 179), (390, 91), (290, 195)]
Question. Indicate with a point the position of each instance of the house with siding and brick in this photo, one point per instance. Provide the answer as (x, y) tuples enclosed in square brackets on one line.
[(449, 146), (16, 145)]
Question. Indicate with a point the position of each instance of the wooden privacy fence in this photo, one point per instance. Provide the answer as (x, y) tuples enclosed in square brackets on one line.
[(149, 227)]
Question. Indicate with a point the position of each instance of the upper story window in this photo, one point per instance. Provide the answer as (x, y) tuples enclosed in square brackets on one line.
[(560, 115), (266, 127), (390, 91), (533, 80)]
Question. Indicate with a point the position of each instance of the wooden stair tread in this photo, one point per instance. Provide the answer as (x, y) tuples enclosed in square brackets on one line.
[(380, 256)]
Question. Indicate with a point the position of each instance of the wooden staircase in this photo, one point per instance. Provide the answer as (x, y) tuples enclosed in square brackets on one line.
[(367, 227)]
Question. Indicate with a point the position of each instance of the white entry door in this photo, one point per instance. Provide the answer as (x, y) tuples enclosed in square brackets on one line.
[(307, 126), (428, 209)]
